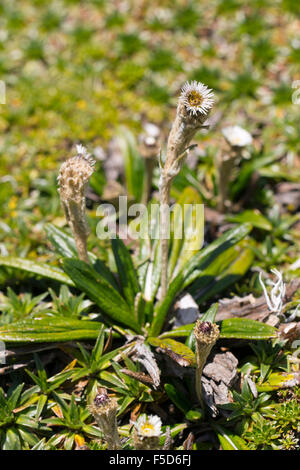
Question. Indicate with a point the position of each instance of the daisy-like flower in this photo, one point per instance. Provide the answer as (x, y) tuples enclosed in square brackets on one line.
[(196, 97), (236, 136), (147, 430), (148, 426)]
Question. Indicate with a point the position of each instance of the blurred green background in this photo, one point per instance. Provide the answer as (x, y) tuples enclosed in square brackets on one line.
[(77, 70)]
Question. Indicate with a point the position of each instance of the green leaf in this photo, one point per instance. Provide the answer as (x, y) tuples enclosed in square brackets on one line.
[(49, 330), (228, 440), (193, 269), (210, 314), (12, 440), (179, 332), (87, 279), (134, 164), (252, 216), (222, 272), (184, 248), (40, 406), (63, 243), (106, 273), (126, 271), (245, 328), (277, 380), (178, 351), (98, 348), (13, 396), (33, 267), (178, 398), (242, 328)]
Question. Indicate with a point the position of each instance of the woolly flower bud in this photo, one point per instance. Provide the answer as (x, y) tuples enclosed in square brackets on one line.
[(72, 181), (74, 175), (206, 335), (104, 410), (146, 433)]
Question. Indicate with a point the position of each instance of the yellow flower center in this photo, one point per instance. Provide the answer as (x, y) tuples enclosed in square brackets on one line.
[(194, 98), (147, 428)]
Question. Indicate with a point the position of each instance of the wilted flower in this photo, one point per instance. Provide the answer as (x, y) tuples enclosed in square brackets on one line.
[(196, 97), (236, 136)]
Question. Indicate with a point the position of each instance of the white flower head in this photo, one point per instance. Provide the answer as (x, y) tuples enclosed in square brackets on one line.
[(276, 298), (236, 136), (196, 97), (82, 152), (148, 426)]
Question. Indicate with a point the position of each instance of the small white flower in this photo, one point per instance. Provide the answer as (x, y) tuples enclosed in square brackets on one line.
[(152, 130), (148, 426), (236, 136), (82, 152), (196, 97), (275, 300)]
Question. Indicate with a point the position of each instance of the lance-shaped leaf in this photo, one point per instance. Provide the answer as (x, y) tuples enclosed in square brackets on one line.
[(234, 266), (134, 164), (277, 380), (242, 328), (193, 269), (254, 217), (48, 330), (180, 353), (183, 403), (34, 267), (64, 244), (228, 440), (127, 274), (87, 279), (187, 237)]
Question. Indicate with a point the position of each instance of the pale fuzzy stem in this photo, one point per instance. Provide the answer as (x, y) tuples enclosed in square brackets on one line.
[(165, 184), (105, 414), (183, 130), (203, 352), (77, 221), (111, 435), (145, 443), (206, 335), (73, 177)]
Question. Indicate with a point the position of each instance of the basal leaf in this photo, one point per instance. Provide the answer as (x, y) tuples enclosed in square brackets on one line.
[(34, 267), (100, 291), (177, 351), (126, 271), (48, 330), (245, 328)]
